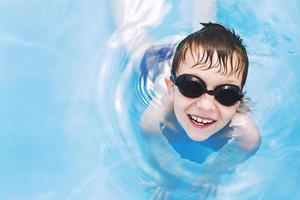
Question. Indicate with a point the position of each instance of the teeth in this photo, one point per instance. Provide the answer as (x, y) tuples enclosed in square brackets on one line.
[(202, 121)]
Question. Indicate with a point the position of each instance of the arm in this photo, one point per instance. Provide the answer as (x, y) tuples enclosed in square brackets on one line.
[(245, 132), (154, 114), (245, 143)]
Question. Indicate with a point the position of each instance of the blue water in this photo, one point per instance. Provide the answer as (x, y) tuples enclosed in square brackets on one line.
[(72, 93)]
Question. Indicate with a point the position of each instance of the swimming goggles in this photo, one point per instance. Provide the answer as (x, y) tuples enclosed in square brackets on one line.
[(192, 86)]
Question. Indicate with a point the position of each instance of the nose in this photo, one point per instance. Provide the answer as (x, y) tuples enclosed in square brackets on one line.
[(206, 102)]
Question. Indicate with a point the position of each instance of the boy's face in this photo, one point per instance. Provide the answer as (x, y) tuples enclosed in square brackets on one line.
[(205, 108)]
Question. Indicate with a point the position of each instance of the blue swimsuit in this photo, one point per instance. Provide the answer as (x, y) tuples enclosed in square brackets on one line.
[(193, 150)]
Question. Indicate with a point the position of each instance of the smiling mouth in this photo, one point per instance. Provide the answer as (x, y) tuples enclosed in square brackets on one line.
[(200, 122)]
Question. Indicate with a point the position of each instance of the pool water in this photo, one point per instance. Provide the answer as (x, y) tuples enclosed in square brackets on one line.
[(73, 90)]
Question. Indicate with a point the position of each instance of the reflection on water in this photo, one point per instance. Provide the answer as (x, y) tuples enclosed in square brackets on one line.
[(163, 172), (83, 91)]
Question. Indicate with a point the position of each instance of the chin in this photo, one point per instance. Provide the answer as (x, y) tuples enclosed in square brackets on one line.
[(199, 137)]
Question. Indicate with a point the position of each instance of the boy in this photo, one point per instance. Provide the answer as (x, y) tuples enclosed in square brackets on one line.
[(204, 108)]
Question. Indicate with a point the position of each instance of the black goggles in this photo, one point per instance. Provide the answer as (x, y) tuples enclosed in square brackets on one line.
[(191, 86)]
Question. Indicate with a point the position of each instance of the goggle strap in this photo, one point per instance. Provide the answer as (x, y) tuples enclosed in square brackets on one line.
[(172, 77), (242, 94)]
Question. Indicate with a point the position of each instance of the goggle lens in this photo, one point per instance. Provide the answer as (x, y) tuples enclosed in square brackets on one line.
[(191, 86)]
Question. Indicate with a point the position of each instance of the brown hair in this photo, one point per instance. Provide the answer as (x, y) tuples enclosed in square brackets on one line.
[(213, 38)]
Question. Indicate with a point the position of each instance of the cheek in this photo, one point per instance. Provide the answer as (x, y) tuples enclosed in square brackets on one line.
[(178, 103), (180, 99), (227, 113), (181, 103)]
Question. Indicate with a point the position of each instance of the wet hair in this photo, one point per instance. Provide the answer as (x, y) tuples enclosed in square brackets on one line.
[(214, 38)]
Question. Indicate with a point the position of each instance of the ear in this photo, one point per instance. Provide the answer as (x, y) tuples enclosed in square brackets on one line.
[(170, 85), (237, 105)]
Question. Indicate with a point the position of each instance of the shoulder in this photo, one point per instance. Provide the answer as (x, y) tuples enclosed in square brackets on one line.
[(154, 114), (246, 132)]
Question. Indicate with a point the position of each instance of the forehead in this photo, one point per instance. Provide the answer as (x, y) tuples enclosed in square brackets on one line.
[(217, 61), (199, 62)]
